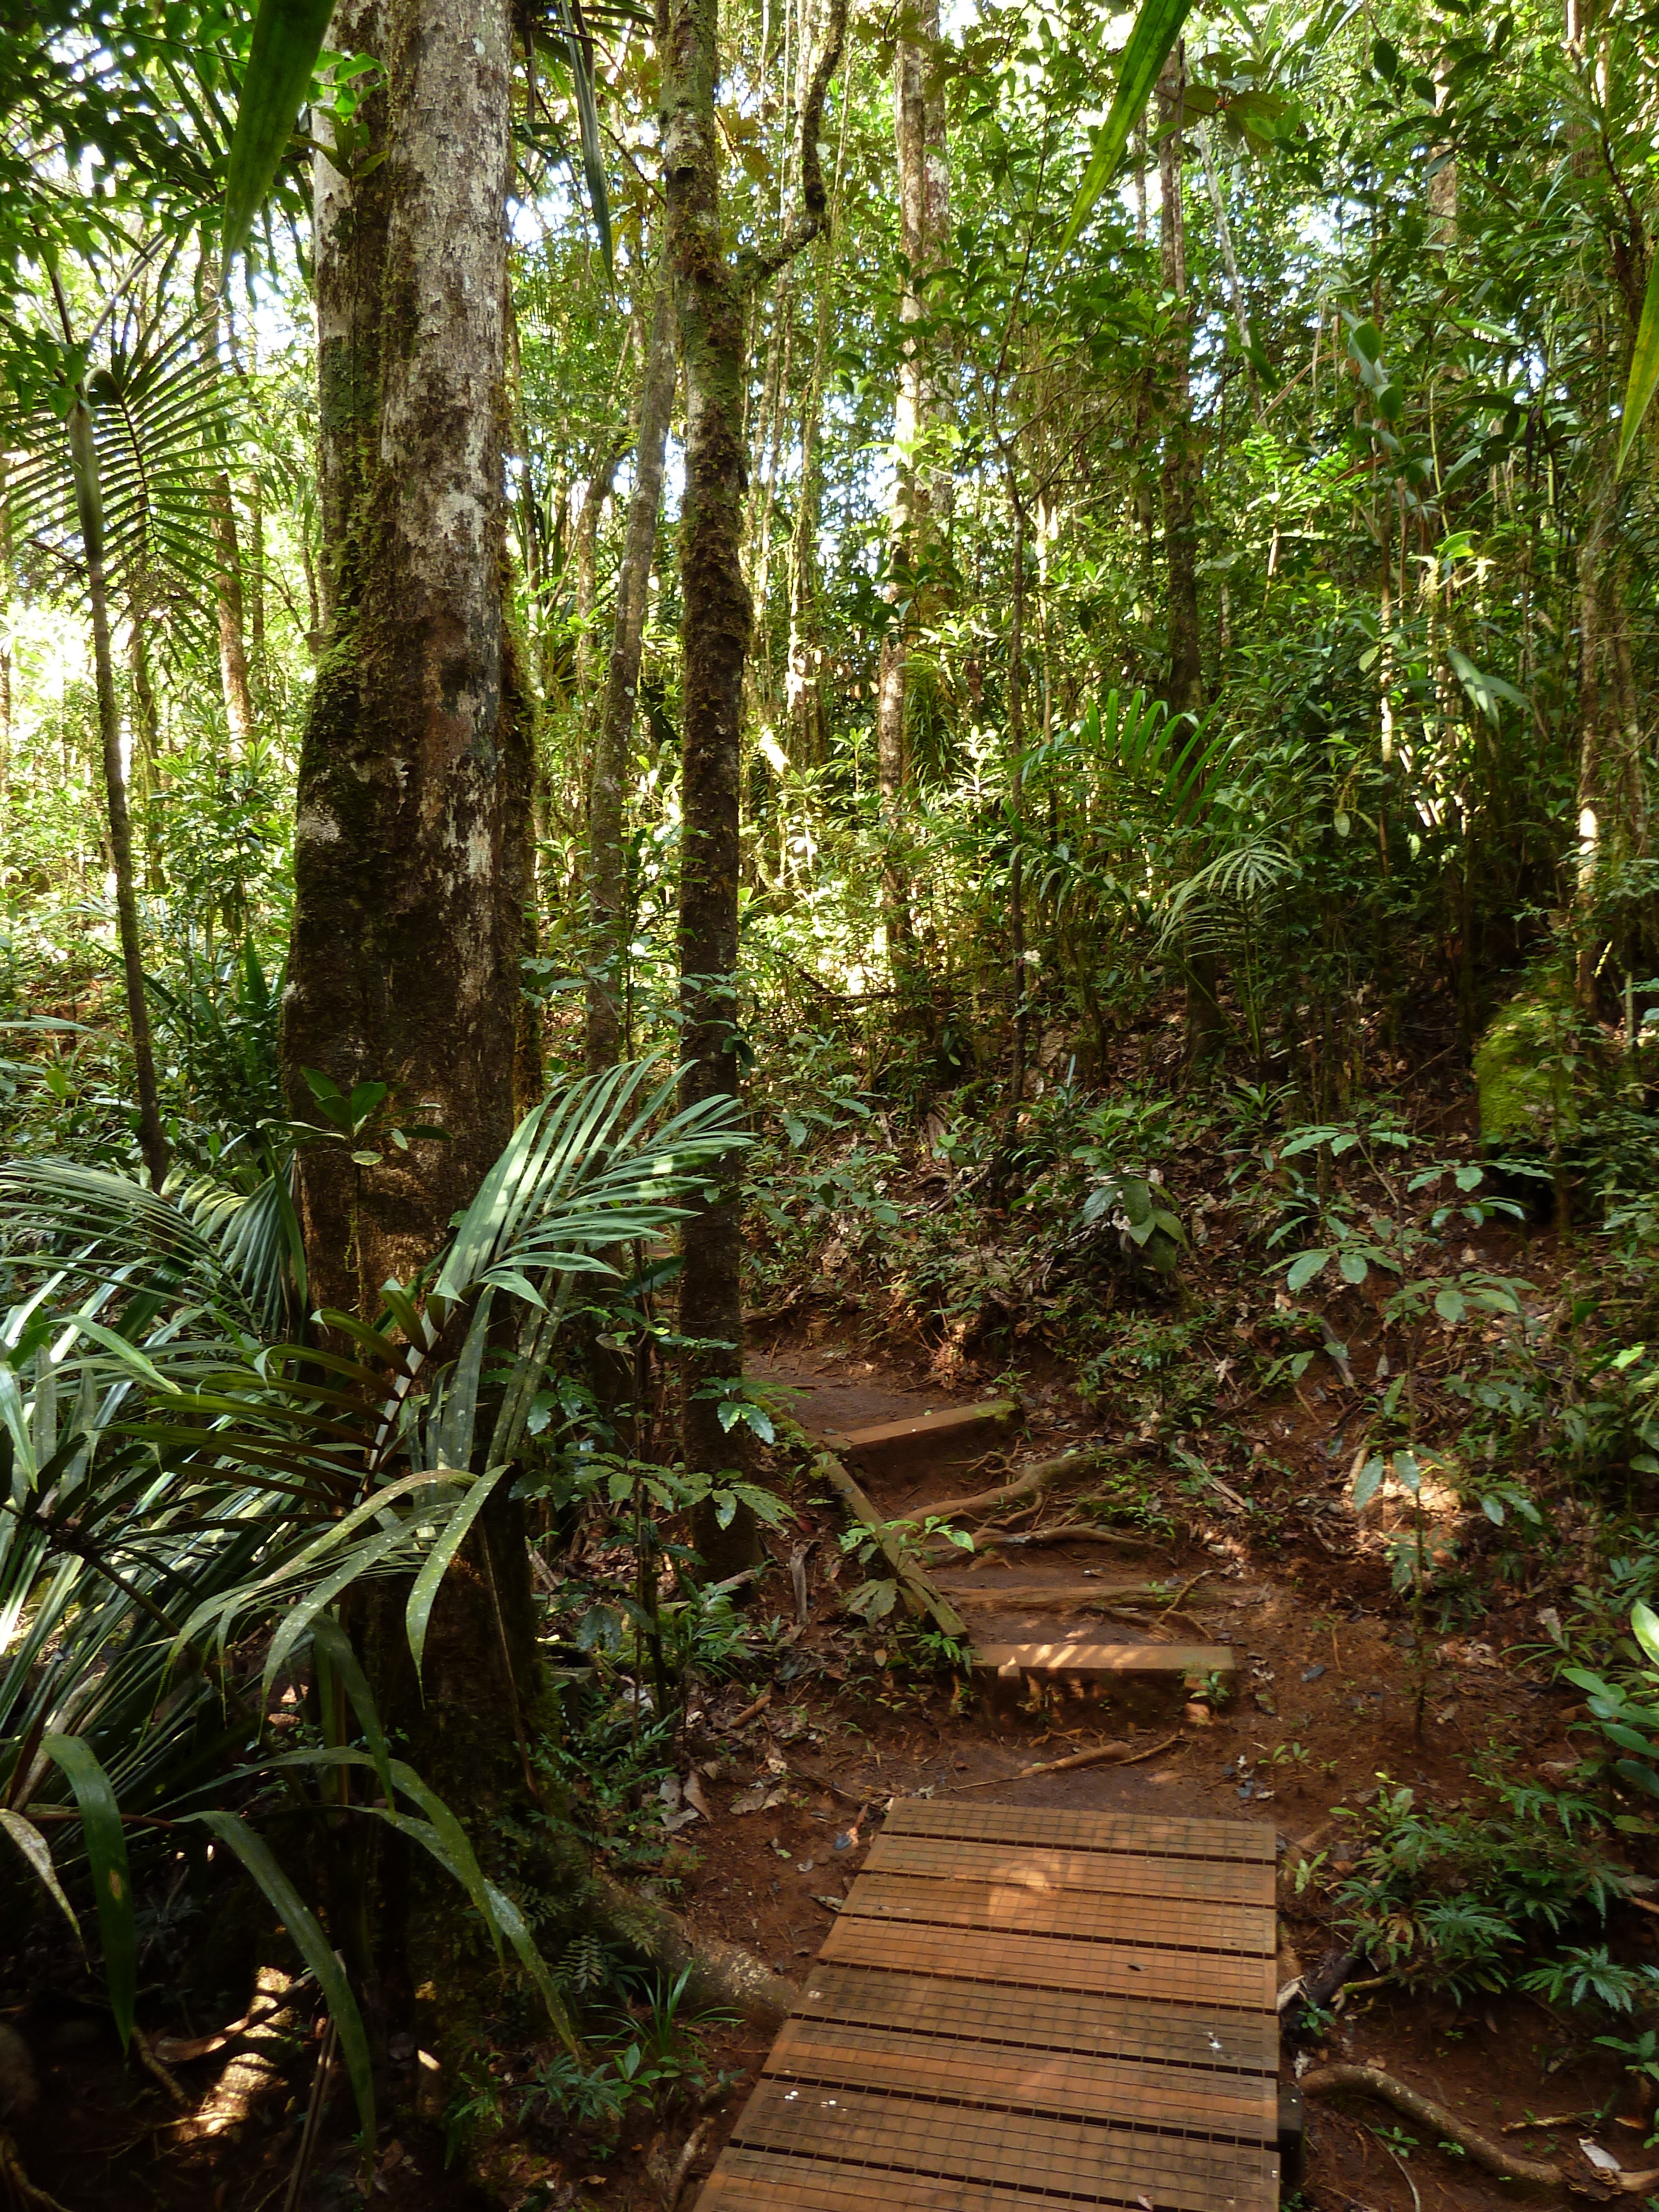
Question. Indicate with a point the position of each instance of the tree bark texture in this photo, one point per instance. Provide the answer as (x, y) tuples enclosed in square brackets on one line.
[(709, 306), (607, 905), (411, 850), (924, 182)]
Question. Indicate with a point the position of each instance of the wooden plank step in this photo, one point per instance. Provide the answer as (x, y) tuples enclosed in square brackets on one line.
[(1241, 2106), (1221, 1979), (1100, 1662), (954, 1422), (1042, 2019), (769, 2181), (1115, 1873), (1020, 2008), (1174, 1923), (1031, 2152), (1249, 1842)]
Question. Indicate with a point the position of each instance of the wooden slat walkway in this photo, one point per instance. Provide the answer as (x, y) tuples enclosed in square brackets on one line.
[(1018, 2009)]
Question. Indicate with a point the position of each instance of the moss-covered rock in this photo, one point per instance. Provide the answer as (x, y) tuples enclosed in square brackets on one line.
[(1529, 1071)]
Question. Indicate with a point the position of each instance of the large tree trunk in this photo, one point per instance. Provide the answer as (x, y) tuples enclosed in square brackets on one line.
[(606, 890), (411, 854), (924, 181)]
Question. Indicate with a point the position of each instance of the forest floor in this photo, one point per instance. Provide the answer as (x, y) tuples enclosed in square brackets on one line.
[(796, 1761)]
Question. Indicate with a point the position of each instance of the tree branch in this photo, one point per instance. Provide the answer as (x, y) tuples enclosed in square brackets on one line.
[(813, 217)]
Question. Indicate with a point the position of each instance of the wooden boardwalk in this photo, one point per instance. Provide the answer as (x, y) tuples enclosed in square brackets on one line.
[(1021, 2008)]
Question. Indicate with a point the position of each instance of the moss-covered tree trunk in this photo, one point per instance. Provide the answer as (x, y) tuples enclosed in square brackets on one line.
[(412, 848), (709, 305), (411, 852)]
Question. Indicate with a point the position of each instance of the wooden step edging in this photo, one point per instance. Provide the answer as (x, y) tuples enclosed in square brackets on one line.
[(1104, 1661), (951, 1421)]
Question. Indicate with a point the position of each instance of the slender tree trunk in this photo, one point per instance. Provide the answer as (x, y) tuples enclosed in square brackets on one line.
[(227, 594), (607, 900), (146, 741), (228, 605), (924, 181), (709, 307), (594, 500), (1229, 261), (1186, 667), (411, 852), (1593, 841), (1185, 679), (1017, 809), (6, 590), (90, 509), (709, 304)]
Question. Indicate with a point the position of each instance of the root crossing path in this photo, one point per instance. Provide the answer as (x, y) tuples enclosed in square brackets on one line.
[(1018, 2004)]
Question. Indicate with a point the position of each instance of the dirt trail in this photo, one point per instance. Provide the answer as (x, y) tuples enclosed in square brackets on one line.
[(1326, 1706)]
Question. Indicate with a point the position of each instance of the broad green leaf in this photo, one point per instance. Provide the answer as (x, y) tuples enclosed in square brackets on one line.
[(1407, 1470), (288, 37), (1644, 369), (1353, 1267), (1485, 690), (330, 1640), (257, 1855), (436, 1565), (1448, 1303), (37, 1851), (1304, 1268), (1644, 1627), (512, 1922), (106, 1848), (1368, 1482), (1157, 26)]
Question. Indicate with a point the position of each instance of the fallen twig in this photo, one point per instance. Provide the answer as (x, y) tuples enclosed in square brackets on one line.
[(918, 1592), (1174, 1604), (1115, 1754), (1372, 2080)]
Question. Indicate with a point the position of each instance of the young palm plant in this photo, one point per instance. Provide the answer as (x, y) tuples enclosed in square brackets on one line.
[(192, 1491)]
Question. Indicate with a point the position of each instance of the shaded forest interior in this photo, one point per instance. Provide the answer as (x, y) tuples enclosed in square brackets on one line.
[(727, 729)]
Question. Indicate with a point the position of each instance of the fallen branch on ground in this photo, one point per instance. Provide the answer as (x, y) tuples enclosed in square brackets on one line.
[(918, 1592), (1115, 1754), (1372, 2081)]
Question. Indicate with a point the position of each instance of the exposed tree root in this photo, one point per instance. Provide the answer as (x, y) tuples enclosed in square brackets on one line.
[(16, 2187), (724, 1976), (1327, 2081), (1040, 1475)]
